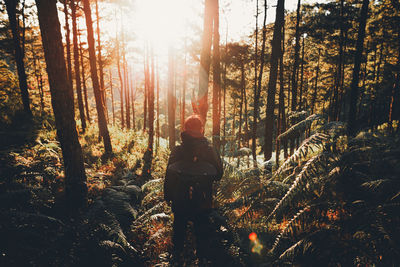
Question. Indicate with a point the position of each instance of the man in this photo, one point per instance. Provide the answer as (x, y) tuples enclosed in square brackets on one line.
[(195, 154)]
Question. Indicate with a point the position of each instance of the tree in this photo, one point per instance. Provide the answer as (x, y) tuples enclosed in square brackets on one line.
[(171, 99), (275, 54), (62, 102), (296, 58), (100, 61), (216, 128), (84, 81), (95, 81), (257, 92), (76, 65), (11, 6), (151, 105), (351, 123), (205, 61)]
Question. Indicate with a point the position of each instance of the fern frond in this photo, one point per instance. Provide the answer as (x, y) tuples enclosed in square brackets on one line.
[(306, 173), (314, 141), (299, 127), (296, 116)]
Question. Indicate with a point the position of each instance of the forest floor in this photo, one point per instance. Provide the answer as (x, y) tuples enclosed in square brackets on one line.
[(126, 222)]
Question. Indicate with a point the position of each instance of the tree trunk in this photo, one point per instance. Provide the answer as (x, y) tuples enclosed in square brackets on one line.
[(146, 89), (352, 124), (314, 97), (205, 61), (275, 53), (301, 77), (216, 128), (133, 96), (394, 99), (112, 96), (257, 88), (121, 82), (84, 82), (62, 102), (282, 111), (11, 6), (183, 97), (127, 94), (100, 62), (296, 59), (171, 99), (151, 104), (68, 44), (158, 107), (76, 65), (256, 99), (96, 87)]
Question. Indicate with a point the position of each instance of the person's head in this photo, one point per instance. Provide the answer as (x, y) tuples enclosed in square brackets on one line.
[(194, 125)]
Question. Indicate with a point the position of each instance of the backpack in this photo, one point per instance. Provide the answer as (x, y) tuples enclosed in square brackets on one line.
[(188, 184)]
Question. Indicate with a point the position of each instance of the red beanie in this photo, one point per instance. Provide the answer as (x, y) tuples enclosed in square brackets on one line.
[(193, 124)]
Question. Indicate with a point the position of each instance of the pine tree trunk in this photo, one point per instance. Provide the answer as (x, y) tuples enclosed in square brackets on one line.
[(146, 89), (314, 96), (216, 128), (352, 123), (275, 54), (62, 102), (68, 44), (282, 111), (256, 100), (84, 82), (171, 99), (205, 61), (296, 58), (112, 96), (183, 101), (76, 65), (100, 63), (127, 95), (96, 87), (11, 6), (151, 105), (301, 77), (133, 96), (158, 107), (121, 82)]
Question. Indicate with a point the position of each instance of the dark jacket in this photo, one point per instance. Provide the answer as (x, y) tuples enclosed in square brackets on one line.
[(200, 148)]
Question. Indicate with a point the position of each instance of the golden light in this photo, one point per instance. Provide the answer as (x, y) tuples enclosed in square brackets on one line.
[(161, 22)]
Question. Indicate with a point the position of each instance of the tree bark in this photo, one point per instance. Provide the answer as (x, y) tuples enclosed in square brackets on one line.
[(76, 65), (255, 92), (205, 60), (296, 58), (275, 53), (100, 62), (68, 45), (96, 87), (121, 82), (352, 123), (216, 128), (11, 6), (112, 96), (84, 82), (171, 99), (62, 102), (314, 97), (151, 105)]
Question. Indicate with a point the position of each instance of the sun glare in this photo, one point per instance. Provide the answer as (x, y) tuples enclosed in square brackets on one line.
[(161, 22)]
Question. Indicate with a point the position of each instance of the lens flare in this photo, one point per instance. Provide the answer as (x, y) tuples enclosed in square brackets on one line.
[(253, 236)]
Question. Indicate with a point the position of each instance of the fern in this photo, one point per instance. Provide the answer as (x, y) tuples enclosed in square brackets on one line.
[(299, 127), (314, 141)]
